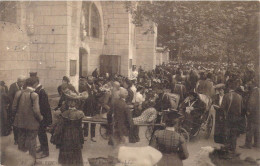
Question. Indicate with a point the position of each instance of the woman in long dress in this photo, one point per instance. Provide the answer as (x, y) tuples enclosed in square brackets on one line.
[(170, 143), (68, 136)]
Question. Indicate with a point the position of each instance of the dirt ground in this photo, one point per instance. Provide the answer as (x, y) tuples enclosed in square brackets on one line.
[(102, 149)]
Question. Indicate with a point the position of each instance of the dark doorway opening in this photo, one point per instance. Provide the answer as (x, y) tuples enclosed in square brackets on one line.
[(110, 64), (83, 62)]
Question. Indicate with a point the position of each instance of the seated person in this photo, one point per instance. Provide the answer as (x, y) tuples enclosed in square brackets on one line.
[(148, 116), (193, 108)]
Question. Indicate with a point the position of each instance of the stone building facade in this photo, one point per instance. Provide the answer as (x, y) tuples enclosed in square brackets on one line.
[(68, 38)]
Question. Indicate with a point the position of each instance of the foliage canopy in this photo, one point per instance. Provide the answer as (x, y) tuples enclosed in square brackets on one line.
[(213, 30)]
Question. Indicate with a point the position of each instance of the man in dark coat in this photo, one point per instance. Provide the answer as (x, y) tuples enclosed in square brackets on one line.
[(12, 91), (90, 106), (122, 118), (232, 105), (27, 117), (253, 114), (45, 110), (5, 127)]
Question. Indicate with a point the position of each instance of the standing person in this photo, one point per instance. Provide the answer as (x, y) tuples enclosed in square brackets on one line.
[(170, 143), (122, 118), (95, 73), (134, 73), (90, 106), (5, 127), (219, 97), (134, 133), (253, 114), (45, 110), (4, 87), (71, 135), (127, 84), (133, 89), (232, 106), (115, 91), (12, 91), (28, 117)]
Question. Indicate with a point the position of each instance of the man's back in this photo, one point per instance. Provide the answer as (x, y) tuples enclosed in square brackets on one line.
[(232, 104), (122, 116), (28, 115)]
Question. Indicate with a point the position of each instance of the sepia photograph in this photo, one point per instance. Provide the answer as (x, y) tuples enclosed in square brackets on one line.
[(129, 83)]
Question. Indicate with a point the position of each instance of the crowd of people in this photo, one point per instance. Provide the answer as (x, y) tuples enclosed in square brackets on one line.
[(126, 102)]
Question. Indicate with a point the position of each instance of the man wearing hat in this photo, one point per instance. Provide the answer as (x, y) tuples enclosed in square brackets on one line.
[(170, 143), (253, 115), (232, 106), (12, 91), (90, 106), (33, 74), (122, 117), (45, 110)]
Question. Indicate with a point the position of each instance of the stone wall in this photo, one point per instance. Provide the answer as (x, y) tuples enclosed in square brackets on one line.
[(14, 53), (49, 41), (15, 56), (50, 36), (117, 35)]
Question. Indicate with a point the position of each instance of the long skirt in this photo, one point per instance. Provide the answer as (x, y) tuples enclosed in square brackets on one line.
[(70, 157)]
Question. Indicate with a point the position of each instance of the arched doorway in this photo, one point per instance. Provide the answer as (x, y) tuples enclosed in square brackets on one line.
[(83, 62)]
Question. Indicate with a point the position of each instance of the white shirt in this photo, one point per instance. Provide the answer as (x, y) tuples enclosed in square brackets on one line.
[(220, 100), (133, 88)]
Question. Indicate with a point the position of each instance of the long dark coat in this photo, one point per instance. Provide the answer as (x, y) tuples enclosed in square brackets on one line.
[(5, 125), (12, 91), (253, 106), (90, 106), (122, 117), (45, 108)]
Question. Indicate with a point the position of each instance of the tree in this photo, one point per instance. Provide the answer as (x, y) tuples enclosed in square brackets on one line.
[(213, 30)]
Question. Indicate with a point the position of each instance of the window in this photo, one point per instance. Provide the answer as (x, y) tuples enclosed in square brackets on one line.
[(90, 21), (95, 22), (85, 21), (8, 11)]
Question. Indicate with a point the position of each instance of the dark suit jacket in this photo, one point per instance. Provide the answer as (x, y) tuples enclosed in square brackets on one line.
[(232, 106), (122, 117), (12, 90), (90, 106), (253, 106), (216, 99), (45, 108)]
